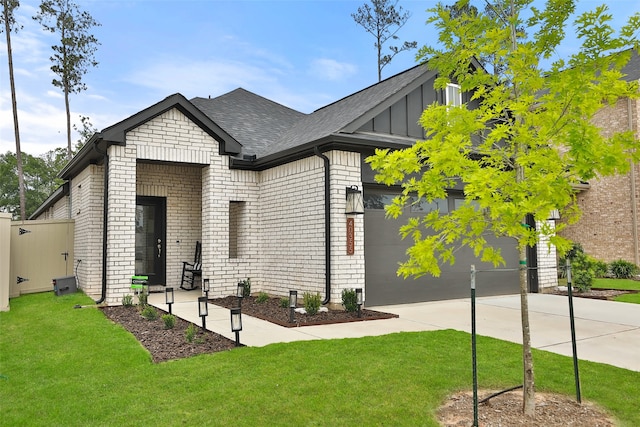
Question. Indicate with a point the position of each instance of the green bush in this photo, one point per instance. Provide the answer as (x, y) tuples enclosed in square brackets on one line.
[(169, 321), (600, 268), (149, 312), (284, 302), (311, 303), (190, 333), (262, 297), (582, 271), (246, 287), (622, 269), (142, 299), (127, 301), (349, 300)]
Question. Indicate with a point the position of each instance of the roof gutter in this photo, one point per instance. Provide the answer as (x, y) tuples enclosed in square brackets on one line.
[(327, 224)]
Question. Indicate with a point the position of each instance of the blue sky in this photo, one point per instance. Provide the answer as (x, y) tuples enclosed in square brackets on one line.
[(301, 53)]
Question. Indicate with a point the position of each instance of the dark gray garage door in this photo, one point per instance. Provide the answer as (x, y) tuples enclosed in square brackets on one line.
[(385, 249)]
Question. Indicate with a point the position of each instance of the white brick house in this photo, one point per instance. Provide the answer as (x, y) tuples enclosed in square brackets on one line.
[(263, 187)]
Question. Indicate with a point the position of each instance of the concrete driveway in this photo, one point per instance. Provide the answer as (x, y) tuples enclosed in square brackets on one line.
[(607, 332)]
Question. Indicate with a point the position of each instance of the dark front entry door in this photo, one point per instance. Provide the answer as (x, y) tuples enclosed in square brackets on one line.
[(151, 238)]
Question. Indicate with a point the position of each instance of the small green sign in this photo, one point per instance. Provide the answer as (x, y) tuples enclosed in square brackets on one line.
[(137, 282)]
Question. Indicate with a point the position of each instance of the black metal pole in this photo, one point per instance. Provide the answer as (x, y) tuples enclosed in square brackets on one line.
[(473, 346), (576, 371), (237, 338), (170, 308), (204, 322)]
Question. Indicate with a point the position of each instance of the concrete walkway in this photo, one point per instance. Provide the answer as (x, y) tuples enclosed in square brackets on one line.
[(606, 331)]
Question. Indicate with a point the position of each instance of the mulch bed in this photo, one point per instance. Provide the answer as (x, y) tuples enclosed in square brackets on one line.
[(166, 344), (597, 293), (271, 311)]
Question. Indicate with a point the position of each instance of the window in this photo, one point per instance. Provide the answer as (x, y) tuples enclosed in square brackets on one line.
[(453, 95), (422, 205), (236, 210)]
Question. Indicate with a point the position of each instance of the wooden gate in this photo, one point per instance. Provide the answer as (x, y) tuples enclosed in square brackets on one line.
[(40, 251)]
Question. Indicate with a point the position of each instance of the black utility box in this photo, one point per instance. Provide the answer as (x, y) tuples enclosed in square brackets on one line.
[(65, 285)]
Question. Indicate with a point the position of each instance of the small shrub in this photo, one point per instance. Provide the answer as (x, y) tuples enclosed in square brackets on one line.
[(142, 299), (246, 287), (600, 268), (349, 300), (582, 271), (169, 321), (284, 302), (149, 312), (622, 269), (127, 301), (190, 333), (311, 303), (262, 298)]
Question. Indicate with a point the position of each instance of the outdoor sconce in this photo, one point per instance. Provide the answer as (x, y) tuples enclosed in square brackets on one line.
[(168, 297), (355, 201), (205, 287), (203, 310), (240, 293), (236, 323), (554, 215), (293, 303), (359, 300)]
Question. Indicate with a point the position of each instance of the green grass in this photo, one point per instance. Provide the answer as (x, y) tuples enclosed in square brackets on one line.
[(61, 366), (625, 284)]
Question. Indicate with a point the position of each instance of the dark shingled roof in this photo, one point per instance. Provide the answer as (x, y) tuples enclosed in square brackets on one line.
[(250, 118), (264, 127)]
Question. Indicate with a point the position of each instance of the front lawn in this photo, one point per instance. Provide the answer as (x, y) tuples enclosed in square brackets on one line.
[(73, 367), (624, 284)]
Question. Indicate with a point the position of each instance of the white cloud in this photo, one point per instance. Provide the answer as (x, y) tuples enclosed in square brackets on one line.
[(332, 70)]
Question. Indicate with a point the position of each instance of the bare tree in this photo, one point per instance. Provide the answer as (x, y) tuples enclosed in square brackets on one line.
[(75, 53), (8, 7), (383, 20)]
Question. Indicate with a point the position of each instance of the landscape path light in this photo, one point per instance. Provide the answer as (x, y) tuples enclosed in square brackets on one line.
[(359, 300), (236, 323), (205, 287), (240, 293), (293, 303), (168, 297), (203, 310)]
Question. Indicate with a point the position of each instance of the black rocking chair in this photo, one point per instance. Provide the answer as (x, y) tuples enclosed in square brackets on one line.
[(191, 270)]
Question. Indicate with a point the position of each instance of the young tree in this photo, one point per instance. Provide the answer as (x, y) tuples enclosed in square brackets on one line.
[(8, 7), (75, 53), (383, 21), (527, 144)]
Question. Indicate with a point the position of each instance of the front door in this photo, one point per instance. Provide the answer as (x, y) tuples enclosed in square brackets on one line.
[(151, 238)]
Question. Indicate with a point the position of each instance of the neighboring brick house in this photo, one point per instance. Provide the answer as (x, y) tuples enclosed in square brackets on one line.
[(263, 187), (609, 228)]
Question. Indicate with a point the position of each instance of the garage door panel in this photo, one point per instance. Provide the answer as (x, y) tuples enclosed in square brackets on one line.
[(385, 250)]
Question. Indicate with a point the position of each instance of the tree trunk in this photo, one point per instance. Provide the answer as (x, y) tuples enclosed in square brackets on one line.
[(66, 104), (14, 105), (528, 401)]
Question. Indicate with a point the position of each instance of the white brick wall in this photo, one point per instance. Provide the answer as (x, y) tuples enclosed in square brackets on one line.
[(547, 264)]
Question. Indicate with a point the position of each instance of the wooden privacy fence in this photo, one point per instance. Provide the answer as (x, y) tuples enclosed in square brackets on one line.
[(40, 251)]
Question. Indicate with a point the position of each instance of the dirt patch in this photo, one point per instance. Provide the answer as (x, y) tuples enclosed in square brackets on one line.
[(552, 410), (272, 311)]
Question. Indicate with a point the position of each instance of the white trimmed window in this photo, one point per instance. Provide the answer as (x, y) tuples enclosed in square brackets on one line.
[(453, 95)]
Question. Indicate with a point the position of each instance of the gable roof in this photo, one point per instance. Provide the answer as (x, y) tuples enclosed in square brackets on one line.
[(94, 149), (250, 118), (272, 132)]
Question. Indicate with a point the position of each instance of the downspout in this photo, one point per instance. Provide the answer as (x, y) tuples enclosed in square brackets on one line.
[(105, 210), (634, 199), (327, 225)]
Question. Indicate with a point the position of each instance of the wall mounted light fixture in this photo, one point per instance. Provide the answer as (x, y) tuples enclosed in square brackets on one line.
[(355, 201)]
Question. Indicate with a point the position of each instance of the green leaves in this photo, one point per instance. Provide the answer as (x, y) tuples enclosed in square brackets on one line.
[(532, 138)]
